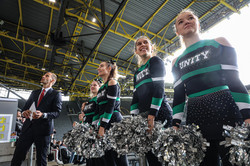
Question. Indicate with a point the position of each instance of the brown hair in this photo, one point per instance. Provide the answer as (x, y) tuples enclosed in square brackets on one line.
[(114, 71), (99, 82), (154, 52)]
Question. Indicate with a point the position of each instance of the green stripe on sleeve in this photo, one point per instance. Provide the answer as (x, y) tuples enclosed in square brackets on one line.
[(179, 108), (241, 97), (103, 102), (107, 115), (156, 101), (91, 113), (134, 106), (95, 117)]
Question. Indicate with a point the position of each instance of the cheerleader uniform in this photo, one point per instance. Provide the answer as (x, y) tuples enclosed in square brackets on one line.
[(108, 99), (206, 74), (148, 96), (89, 110)]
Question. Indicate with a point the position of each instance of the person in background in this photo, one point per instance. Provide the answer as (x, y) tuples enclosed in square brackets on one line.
[(65, 153), (89, 110), (207, 73), (108, 99), (148, 98), (19, 123), (48, 105)]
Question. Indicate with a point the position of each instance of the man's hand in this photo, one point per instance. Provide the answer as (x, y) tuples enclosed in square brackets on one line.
[(151, 120), (26, 114), (37, 114)]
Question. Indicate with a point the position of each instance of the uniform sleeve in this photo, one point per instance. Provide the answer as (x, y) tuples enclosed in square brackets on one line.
[(238, 90), (96, 115), (158, 72), (134, 105), (179, 97), (239, 93), (112, 96)]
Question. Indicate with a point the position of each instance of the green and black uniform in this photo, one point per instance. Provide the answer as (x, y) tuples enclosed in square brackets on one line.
[(149, 98), (89, 110), (207, 75), (108, 99)]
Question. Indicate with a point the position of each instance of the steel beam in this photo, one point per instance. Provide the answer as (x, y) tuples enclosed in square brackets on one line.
[(57, 32), (100, 39)]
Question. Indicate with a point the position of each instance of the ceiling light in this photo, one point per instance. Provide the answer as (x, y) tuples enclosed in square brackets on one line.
[(67, 75), (43, 68), (53, 1), (93, 20), (76, 55), (46, 45), (1, 22)]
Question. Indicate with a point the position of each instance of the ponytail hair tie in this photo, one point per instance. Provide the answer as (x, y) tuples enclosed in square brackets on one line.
[(98, 80), (112, 61)]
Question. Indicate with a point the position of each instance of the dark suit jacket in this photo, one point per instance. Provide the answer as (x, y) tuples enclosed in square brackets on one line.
[(50, 104)]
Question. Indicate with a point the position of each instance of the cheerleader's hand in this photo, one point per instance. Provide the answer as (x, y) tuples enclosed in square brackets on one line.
[(175, 127), (247, 121), (151, 119), (83, 106), (101, 132)]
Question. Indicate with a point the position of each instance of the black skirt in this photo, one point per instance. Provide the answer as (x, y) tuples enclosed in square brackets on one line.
[(210, 112)]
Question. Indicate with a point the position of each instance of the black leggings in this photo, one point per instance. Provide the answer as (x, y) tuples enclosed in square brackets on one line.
[(152, 159), (96, 162), (112, 159), (214, 153)]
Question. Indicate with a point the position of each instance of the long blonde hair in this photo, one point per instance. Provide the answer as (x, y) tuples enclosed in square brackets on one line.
[(154, 52)]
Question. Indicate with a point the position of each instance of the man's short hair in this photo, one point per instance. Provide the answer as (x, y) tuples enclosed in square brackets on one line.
[(54, 77)]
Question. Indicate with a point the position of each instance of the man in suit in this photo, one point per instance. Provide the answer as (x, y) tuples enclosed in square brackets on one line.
[(37, 130)]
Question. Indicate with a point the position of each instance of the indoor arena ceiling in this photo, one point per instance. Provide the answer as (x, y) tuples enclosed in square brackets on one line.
[(37, 36)]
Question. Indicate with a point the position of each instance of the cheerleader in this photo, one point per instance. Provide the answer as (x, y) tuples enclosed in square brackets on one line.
[(108, 99), (148, 98), (206, 74)]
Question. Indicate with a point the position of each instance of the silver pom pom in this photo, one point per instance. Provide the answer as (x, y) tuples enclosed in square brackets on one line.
[(131, 136), (238, 138), (186, 146), (83, 140)]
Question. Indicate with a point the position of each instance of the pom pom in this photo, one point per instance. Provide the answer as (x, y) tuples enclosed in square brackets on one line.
[(238, 138), (184, 146), (131, 136), (83, 140)]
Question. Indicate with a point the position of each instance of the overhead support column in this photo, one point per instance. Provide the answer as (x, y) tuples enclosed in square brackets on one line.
[(229, 6), (103, 12), (100, 39), (57, 32)]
